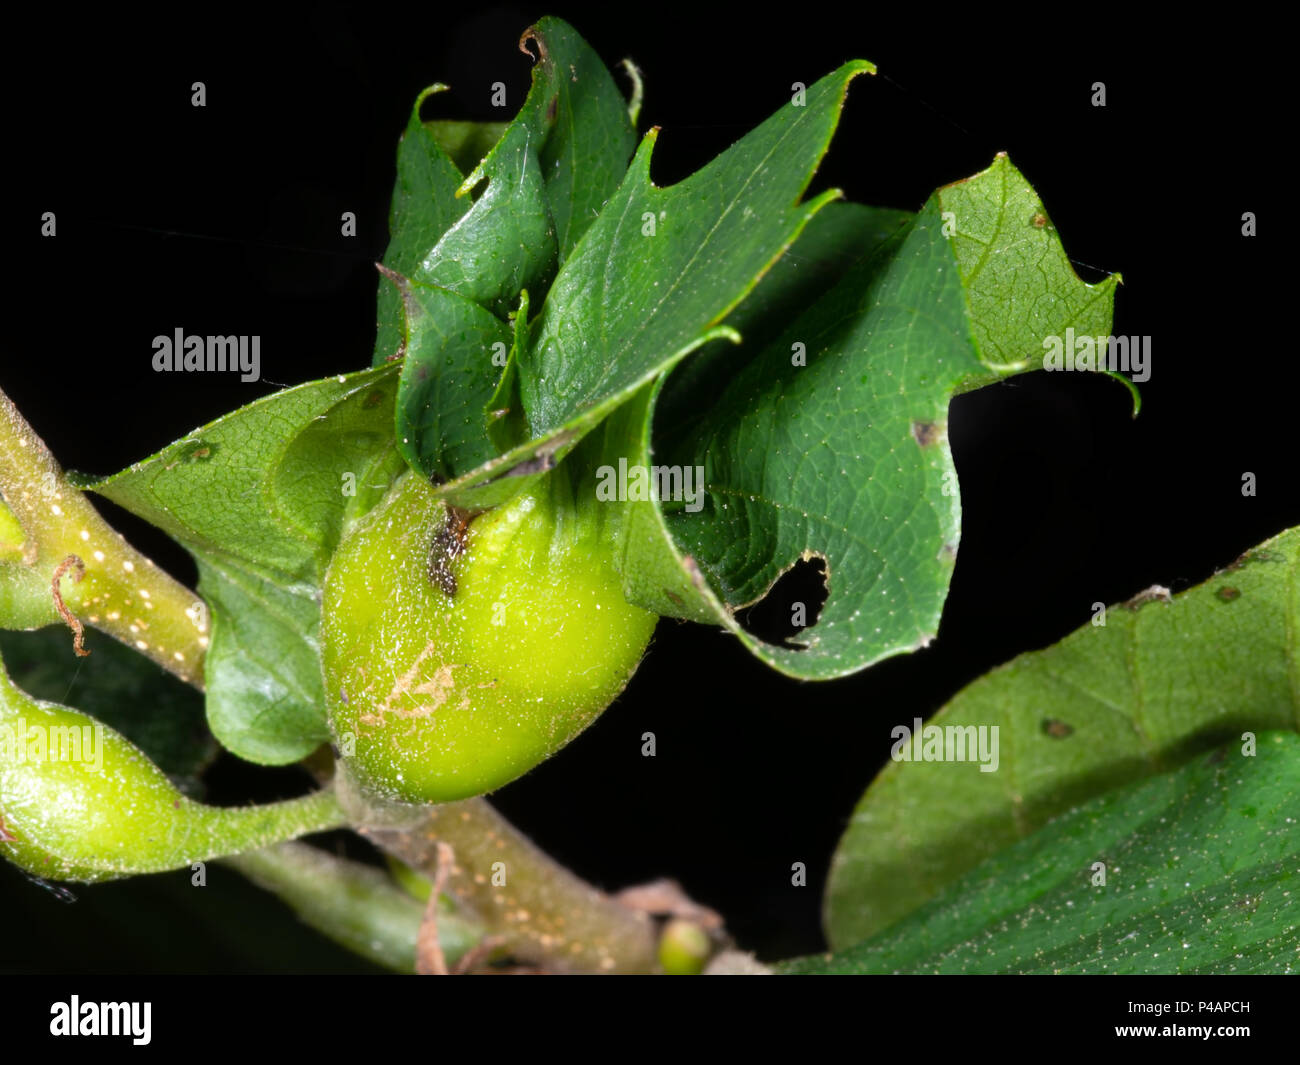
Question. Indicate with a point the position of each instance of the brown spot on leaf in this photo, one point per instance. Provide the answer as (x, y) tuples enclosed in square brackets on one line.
[(1227, 594), (1058, 730), (1040, 220), (927, 433)]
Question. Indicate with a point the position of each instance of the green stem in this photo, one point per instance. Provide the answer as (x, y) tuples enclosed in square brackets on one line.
[(357, 906), (539, 911), (111, 585)]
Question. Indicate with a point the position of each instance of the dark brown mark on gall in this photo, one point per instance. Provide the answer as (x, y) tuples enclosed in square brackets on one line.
[(448, 545)]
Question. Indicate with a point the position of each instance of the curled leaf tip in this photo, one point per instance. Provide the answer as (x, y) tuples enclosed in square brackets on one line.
[(638, 90), (531, 34), (425, 93)]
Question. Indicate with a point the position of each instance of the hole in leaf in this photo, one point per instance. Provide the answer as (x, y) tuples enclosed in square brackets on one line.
[(792, 604)]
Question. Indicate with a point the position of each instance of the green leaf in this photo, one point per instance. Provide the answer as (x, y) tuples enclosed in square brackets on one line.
[(1200, 873), (424, 206), (591, 135), (830, 442), (547, 176), (661, 267), (260, 498), (836, 238), (449, 377), (627, 305), (655, 573), (265, 697), (126, 691), (1156, 684), (506, 241)]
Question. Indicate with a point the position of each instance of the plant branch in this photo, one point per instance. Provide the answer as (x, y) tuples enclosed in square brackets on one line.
[(540, 911), (537, 909), (356, 905), (119, 590)]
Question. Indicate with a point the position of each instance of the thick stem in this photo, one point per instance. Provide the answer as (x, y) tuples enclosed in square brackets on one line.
[(539, 910), (114, 587), (357, 906)]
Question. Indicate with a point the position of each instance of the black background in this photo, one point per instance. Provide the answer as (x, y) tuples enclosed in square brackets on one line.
[(226, 220)]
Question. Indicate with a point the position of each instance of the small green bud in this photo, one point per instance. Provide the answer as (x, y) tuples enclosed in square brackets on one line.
[(684, 948)]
